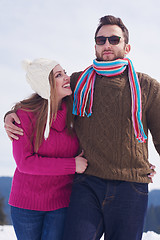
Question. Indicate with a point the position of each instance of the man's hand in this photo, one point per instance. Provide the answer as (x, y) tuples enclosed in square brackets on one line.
[(11, 128), (81, 163), (151, 175)]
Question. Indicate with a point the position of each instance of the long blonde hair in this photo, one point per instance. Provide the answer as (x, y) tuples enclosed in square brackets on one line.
[(39, 107)]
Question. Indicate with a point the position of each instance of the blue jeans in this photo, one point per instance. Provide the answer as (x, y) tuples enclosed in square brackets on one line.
[(97, 206), (38, 225)]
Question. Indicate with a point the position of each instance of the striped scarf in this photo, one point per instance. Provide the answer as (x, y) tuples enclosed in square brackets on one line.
[(84, 90)]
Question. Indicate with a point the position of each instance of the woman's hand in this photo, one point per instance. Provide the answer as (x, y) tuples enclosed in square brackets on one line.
[(11, 128), (81, 163)]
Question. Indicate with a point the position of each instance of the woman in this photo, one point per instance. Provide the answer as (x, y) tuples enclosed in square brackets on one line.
[(46, 154)]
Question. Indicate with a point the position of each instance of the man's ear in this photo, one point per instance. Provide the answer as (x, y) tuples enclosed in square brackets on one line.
[(127, 48)]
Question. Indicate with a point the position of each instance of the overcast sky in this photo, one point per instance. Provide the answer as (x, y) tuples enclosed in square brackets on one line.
[(64, 31)]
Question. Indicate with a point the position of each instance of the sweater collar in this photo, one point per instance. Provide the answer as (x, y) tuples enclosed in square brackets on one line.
[(60, 123)]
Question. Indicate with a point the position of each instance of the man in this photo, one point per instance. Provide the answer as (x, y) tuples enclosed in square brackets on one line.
[(115, 109)]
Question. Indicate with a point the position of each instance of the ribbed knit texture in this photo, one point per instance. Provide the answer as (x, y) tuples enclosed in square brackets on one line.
[(43, 181), (107, 137)]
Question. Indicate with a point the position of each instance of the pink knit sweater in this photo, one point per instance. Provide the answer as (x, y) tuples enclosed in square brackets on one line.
[(42, 181)]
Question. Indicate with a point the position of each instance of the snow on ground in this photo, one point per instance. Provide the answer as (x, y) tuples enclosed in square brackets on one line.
[(151, 236), (7, 233)]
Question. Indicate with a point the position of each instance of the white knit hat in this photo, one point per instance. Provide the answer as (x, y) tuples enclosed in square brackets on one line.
[(37, 75)]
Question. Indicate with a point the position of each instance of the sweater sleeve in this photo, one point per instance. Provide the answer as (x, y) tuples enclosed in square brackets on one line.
[(153, 113), (29, 162)]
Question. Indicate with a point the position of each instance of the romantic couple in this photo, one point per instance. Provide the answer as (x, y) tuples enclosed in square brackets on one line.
[(81, 148)]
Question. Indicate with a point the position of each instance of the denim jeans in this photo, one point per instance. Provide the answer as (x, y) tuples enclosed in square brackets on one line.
[(38, 225), (97, 206)]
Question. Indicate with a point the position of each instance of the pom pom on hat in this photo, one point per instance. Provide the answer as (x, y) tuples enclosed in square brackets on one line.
[(37, 75), (25, 64)]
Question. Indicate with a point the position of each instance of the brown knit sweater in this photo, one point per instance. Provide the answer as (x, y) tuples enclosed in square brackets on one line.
[(107, 137)]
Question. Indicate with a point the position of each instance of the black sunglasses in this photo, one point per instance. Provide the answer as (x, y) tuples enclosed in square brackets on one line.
[(113, 40)]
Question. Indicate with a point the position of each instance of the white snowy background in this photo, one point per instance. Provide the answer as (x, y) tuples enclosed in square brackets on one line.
[(64, 31)]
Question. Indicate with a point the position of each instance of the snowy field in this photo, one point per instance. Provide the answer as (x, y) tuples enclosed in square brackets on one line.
[(7, 233)]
